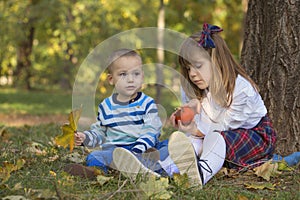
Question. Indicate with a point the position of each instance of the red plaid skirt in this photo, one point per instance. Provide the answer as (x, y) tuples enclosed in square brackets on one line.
[(249, 148)]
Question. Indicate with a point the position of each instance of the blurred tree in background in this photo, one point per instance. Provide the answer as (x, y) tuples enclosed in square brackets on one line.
[(44, 42)]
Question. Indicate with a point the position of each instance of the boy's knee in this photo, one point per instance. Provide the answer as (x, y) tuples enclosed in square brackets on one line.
[(90, 159), (94, 161)]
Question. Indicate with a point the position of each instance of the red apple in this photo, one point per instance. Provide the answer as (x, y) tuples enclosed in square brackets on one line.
[(185, 114)]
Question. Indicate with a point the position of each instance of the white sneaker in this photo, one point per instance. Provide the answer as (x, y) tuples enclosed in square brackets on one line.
[(213, 155), (183, 154), (129, 165)]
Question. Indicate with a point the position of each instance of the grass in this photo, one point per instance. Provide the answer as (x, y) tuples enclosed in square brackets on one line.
[(39, 102), (14, 101), (42, 176)]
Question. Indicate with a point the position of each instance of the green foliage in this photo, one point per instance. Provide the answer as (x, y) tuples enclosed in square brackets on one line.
[(66, 31)]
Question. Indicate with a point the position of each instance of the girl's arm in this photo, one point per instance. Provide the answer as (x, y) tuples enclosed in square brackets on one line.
[(189, 128)]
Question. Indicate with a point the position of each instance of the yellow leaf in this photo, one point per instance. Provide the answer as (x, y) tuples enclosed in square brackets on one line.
[(7, 168), (52, 173), (181, 181), (267, 170), (258, 186), (156, 189), (103, 179), (67, 137), (283, 166)]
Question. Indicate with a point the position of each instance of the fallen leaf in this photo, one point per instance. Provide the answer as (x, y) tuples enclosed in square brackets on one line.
[(103, 179), (261, 186), (181, 181), (156, 188), (41, 194), (52, 173), (14, 197), (283, 166), (67, 138), (36, 148), (51, 159), (74, 157), (267, 170), (4, 135), (8, 168)]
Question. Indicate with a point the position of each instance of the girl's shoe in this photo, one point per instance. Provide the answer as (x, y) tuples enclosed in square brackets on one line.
[(200, 170), (291, 160), (129, 165), (183, 155)]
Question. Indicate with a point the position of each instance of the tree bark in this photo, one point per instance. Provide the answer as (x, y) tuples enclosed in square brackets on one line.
[(160, 50), (271, 54), (23, 69)]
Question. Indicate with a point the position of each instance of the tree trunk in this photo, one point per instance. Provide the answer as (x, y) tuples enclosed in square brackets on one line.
[(271, 54), (160, 50), (23, 69)]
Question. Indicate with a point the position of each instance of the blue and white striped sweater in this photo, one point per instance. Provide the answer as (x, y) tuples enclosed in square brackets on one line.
[(136, 122)]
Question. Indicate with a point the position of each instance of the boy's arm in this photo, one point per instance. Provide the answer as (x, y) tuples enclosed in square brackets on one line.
[(95, 136), (150, 131)]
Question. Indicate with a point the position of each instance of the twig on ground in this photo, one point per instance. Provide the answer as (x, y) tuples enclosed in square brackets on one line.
[(118, 190)]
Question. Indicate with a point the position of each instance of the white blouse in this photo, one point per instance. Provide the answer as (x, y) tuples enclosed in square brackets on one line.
[(246, 110)]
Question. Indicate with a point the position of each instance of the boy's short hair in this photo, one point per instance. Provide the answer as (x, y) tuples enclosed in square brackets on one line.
[(118, 54)]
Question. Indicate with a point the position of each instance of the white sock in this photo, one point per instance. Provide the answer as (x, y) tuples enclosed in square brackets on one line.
[(169, 166), (197, 143)]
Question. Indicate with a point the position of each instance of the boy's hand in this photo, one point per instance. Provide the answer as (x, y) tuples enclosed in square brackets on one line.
[(79, 138)]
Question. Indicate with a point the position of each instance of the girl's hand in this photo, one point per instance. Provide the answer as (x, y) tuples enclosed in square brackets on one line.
[(173, 121), (187, 128), (195, 104), (190, 128), (79, 138)]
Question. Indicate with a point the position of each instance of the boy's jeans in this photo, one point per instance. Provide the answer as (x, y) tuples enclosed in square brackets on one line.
[(103, 158)]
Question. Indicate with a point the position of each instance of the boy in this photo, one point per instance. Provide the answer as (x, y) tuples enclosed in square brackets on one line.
[(127, 119)]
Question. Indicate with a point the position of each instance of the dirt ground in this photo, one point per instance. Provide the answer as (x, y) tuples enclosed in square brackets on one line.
[(21, 120)]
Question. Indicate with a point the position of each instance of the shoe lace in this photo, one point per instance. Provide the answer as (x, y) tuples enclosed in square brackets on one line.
[(202, 164)]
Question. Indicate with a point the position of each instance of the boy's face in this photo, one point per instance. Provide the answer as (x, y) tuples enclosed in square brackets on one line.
[(127, 76)]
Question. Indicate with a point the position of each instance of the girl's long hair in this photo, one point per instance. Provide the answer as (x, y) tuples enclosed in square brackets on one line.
[(224, 70)]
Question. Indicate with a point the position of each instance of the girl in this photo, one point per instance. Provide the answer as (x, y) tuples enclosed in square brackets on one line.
[(231, 117)]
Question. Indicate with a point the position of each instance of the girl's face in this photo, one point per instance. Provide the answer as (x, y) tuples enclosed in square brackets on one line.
[(200, 70), (127, 77)]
